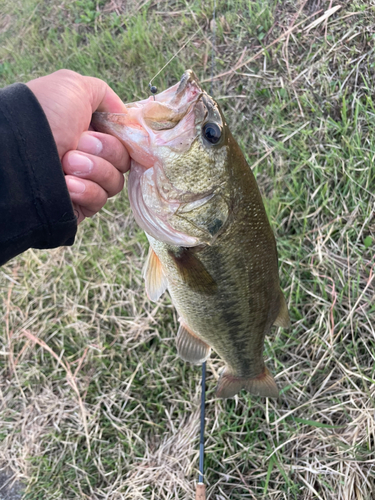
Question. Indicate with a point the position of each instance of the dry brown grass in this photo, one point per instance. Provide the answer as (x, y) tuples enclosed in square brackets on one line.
[(94, 403)]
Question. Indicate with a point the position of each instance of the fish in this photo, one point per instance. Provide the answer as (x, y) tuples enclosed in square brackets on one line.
[(211, 244)]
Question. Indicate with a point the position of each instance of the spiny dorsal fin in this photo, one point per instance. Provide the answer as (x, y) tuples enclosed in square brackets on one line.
[(193, 272), (262, 385), (155, 280), (190, 347), (283, 316)]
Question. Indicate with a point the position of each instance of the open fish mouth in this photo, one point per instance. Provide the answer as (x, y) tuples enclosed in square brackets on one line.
[(151, 129), (166, 119)]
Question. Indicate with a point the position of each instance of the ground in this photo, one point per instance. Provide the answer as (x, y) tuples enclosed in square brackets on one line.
[(94, 402)]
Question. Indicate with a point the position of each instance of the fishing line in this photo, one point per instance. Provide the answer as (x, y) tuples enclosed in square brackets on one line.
[(154, 89), (213, 53)]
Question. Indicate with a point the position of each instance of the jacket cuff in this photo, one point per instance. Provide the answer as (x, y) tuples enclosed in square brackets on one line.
[(38, 212)]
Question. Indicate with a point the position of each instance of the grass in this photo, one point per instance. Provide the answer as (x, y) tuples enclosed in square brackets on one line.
[(304, 115)]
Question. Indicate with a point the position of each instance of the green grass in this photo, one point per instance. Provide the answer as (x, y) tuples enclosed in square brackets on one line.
[(308, 104)]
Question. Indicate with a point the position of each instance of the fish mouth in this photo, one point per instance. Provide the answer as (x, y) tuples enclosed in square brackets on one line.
[(175, 108), (167, 119), (187, 79), (151, 129)]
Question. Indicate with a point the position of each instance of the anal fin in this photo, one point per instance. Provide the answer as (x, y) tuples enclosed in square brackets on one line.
[(262, 385), (190, 347), (283, 316), (155, 280)]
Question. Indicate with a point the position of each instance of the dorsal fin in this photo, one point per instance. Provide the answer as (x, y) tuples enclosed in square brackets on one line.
[(283, 316), (155, 280)]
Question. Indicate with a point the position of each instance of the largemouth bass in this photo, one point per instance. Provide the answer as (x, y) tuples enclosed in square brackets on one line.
[(211, 244)]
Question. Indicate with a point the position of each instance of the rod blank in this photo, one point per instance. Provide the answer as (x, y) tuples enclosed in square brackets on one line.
[(200, 493)]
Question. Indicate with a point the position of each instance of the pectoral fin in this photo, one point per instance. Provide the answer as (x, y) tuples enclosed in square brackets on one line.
[(262, 385), (283, 316), (155, 280), (190, 347), (193, 272)]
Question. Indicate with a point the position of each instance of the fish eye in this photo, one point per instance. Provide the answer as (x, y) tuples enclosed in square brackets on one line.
[(212, 132)]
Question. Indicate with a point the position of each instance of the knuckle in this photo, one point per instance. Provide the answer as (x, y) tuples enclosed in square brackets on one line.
[(116, 152), (97, 199), (66, 73), (123, 158), (107, 174), (112, 180), (102, 200), (119, 185)]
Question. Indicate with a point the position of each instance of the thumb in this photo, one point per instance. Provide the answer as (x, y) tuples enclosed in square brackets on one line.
[(103, 98)]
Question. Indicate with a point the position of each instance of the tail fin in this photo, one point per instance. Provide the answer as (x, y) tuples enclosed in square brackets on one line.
[(262, 385)]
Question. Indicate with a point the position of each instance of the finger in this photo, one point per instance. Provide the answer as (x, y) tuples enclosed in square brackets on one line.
[(87, 194), (82, 212), (107, 147), (79, 213), (103, 98), (94, 169)]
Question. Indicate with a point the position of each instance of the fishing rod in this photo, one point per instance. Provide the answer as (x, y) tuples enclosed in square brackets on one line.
[(200, 492)]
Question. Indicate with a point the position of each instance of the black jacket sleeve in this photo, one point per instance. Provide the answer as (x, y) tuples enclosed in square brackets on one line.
[(35, 207)]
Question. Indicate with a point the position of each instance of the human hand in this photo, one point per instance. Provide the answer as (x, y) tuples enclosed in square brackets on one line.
[(94, 163)]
